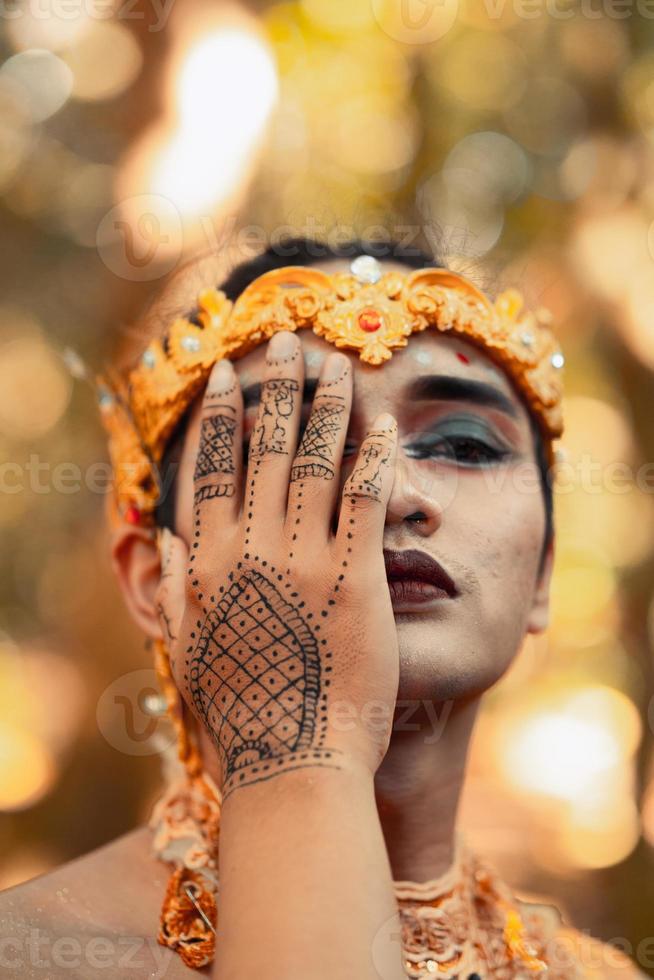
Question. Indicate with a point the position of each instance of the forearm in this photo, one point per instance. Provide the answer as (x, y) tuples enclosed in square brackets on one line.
[(305, 883)]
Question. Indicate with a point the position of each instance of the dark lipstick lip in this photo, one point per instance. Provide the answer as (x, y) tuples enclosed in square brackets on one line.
[(418, 567)]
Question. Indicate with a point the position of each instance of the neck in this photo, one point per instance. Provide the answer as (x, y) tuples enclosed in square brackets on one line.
[(418, 787)]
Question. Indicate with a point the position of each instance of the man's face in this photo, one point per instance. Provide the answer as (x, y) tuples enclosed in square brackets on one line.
[(466, 464)]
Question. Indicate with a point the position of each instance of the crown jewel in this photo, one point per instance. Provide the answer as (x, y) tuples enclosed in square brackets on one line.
[(367, 310)]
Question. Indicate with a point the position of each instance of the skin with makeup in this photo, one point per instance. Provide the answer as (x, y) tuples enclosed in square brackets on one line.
[(412, 548)]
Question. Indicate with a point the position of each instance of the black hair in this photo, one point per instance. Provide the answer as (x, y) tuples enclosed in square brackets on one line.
[(306, 252)]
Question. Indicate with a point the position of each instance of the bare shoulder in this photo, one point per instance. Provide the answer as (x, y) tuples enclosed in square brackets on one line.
[(97, 913)]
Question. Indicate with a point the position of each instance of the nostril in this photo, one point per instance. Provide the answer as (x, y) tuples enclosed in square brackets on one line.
[(418, 515)]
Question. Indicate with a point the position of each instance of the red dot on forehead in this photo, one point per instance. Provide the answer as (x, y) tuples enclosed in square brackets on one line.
[(463, 358)]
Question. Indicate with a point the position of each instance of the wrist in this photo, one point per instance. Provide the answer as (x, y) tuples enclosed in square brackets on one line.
[(310, 781)]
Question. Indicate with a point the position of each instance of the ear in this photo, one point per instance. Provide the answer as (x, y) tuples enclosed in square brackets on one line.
[(539, 614), (137, 565)]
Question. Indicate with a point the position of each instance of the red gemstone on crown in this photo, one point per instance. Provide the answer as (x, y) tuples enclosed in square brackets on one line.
[(370, 320)]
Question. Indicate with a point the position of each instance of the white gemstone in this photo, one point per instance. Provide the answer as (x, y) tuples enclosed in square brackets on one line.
[(557, 360), (366, 269), (148, 359), (74, 363), (105, 398), (154, 704), (527, 338), (191, 344)]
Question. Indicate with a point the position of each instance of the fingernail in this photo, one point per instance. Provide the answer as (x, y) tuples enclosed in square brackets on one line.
[(384, 422), (222, 375), (281, 344), (335, 366)]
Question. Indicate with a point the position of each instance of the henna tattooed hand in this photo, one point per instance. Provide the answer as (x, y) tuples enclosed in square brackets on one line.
[(281, 629)]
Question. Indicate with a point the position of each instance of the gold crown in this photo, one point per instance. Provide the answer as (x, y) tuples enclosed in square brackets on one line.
[(365, 311)]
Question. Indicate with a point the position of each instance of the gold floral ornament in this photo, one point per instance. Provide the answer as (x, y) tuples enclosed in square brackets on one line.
[(364, 311), (186, 830)]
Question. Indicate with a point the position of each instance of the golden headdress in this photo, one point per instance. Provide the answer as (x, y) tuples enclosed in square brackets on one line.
[(365, 310)]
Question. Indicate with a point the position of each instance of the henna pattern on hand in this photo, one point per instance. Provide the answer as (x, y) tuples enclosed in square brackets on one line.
[(277, 405), (256, 678), (315, 456), (366, 478), (258, 668), (215, 456)]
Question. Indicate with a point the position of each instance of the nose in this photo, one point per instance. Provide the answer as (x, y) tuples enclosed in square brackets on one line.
[(410, 505)]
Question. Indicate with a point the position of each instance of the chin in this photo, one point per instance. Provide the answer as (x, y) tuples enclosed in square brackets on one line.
[(439, 664)]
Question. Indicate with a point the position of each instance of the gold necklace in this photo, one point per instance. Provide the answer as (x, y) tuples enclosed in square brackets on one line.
[(463, 925)]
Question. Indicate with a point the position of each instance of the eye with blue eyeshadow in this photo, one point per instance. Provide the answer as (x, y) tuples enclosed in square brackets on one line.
[(465, 440)]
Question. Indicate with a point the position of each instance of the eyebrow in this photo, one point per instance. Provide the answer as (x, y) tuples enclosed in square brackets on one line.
[(432, 387), (446, 387)]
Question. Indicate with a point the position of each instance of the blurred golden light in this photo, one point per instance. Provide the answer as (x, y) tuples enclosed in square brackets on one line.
[(371, 70), (45, 175), (17, 134), (499, 17), (24, 864), (553, 753), (601, 495), (283, 26), (226, 90), (34, 388), (594, 48), (581, 589), (340, 16), (635, 320), (462, 217), (566, 745), (648, 814), (605, 522), (41, 699), (14, 502), (414, 22), (373, 141), (43, 26), (605, 830), (53, 694), (548, 116), (104, 61), (83, 201), (491, 57), (597, 429), (26, 767), (44, 79), (492, 162), (611, 252), (601, 169), (638, 90), (650, 630)]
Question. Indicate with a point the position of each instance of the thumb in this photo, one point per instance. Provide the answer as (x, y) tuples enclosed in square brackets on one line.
[(170, 596)]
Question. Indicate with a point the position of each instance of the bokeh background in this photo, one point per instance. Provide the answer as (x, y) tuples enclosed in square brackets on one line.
[(516, 139)]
